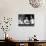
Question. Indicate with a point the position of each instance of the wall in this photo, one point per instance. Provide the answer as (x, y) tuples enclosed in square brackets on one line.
[(11, 8)]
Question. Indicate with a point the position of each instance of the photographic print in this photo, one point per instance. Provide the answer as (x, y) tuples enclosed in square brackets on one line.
[(26, 19)]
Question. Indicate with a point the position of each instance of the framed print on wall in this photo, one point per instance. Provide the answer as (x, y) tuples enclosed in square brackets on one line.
[(26, 19)]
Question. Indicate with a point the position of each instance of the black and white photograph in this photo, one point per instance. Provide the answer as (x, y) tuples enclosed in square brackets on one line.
[(26, 20)]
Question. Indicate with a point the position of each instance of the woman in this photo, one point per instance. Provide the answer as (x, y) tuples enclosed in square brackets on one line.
[(26, 20)]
